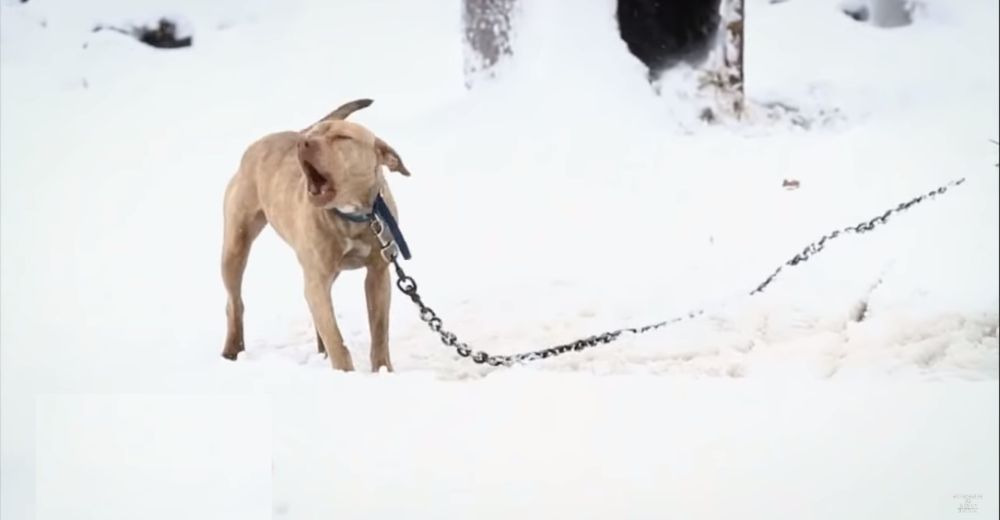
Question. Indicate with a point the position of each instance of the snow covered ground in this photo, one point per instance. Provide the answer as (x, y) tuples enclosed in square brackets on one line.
[(563, 200)]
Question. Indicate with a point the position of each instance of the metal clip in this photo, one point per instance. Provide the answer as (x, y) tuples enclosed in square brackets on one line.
[(390, 251), (378, 229)]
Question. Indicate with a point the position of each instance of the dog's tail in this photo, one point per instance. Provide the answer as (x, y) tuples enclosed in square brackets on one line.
[(344, 110)]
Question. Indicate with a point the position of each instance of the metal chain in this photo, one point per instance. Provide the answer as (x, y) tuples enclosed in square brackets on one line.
[(408, 286)]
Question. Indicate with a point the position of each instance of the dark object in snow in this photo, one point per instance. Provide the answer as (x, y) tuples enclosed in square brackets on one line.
[(664, 33), (163, 36), (858, 13), (791, 184), (888, 14), (707, 115)]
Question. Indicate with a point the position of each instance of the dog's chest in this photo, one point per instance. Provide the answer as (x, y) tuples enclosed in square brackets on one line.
[(356, 253)]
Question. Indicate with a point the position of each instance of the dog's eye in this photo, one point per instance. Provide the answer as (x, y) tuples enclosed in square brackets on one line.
[(340, 137)]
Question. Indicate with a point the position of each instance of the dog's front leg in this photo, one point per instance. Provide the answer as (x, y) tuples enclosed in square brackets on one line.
[(321, 307), (378, 292)]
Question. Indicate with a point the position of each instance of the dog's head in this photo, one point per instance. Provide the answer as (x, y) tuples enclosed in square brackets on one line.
[(341, 161)]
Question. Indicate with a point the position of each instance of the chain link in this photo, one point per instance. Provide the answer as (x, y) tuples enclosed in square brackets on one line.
[(408, 286)]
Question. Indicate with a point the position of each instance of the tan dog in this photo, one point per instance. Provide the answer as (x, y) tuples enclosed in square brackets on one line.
[(297, 182)]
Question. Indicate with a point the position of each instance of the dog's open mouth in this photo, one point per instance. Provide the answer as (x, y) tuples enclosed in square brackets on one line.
[(316, 181)]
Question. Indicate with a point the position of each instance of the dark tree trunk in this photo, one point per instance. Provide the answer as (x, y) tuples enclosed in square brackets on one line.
[(732, 56), (487, 27), (724, 75)]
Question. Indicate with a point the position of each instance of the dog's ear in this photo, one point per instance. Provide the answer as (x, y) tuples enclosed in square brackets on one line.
[(346, 109), (388, 157), (341, 112)]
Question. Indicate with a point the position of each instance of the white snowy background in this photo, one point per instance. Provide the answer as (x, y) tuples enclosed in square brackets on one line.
[(564, 199)]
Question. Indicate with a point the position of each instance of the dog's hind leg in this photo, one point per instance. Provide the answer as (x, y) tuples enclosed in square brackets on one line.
[(319, 344), (244, 220)]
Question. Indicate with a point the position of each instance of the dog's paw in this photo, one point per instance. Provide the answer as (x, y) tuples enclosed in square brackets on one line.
[(383, 367), (341, 361), (232, 347)]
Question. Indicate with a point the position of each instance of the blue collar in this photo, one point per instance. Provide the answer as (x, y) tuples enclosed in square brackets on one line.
[(353, 217), (380, 210)]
